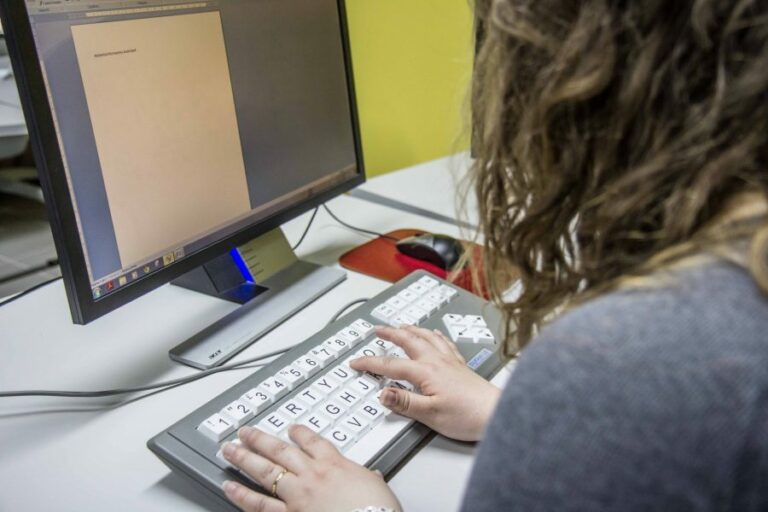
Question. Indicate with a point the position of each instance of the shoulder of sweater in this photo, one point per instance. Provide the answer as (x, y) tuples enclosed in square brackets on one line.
[(692, 312)]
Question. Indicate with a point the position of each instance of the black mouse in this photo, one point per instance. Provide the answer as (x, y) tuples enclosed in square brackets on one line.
[(440, 250)]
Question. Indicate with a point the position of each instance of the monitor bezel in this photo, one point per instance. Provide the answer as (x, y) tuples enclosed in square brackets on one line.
[(49, 160)]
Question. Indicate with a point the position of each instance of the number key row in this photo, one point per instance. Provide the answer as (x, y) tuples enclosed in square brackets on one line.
[(272, 389)]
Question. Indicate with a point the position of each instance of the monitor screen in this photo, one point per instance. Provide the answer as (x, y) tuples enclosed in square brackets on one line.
[(180, 124)]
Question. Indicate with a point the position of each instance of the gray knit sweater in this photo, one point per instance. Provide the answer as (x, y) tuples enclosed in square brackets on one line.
[(639, 400)]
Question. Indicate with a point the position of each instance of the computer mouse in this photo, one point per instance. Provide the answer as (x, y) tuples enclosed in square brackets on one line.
[(440, 250)]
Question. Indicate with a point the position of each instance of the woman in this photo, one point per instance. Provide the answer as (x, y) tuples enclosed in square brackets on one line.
[(623, 169)]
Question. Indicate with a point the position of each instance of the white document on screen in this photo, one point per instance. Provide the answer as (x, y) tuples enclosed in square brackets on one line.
[(163, 114)]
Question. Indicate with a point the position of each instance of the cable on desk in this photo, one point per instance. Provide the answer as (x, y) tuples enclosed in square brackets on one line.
[(149, 387), (135, 399), (359, 230), (167, 385), (346, 307), (306, 230), (28, 291), (18, 275)]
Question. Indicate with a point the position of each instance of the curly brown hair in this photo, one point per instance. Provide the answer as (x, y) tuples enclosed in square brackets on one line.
[(607, 132)]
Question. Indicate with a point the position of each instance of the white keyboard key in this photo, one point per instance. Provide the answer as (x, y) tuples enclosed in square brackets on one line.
[(466, 337), (437, 298), (347, 397), (428, 306), (325, 385), (450, 320), (371, 410), (397, 303), (220, 454), (351, 335), (428, 282), (378, 348), (323, 355), (448, 292), (316, 422), (402, 384), (398, 352), (309, 396), (216, 428), (381, 434), (292, 375), (346, 364), (384, 345), (481, 335), (418, 288), (257, 400), (475, 321), (408, 296), (368, 351), (355, 423), (273, 387), (403, 319), (365, 328), (416, 313), (293, 410), (332, 409), (461, 334), (343, 373), (384, 312), (378, 379), (308, 364), (336, 345), (364, 385), (340, 437), (239, 412), (274, 424)]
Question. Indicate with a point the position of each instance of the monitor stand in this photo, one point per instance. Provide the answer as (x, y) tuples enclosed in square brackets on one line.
[(269, 282)]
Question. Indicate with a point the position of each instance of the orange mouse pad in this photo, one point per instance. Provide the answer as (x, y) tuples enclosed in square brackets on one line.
[(380, 258)]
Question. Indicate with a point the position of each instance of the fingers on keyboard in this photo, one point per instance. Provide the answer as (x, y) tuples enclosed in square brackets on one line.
[(275, 450), (312, 443), (392, 368), (414, 345), (439, 343)]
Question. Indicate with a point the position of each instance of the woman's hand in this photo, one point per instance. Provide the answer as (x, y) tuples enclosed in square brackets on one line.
[(453, 399), (317, 478)]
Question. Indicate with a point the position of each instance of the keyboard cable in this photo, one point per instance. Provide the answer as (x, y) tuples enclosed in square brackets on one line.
[(166, 385), (306, 230), (359, 230), (28, 291)]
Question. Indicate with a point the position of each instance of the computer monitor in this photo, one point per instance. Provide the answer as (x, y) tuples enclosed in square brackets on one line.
[(166, 133)]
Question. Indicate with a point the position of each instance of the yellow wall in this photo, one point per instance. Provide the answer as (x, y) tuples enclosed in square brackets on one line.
[(412, 61)]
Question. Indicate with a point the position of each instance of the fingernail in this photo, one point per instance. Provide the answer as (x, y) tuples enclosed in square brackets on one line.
[(228, 486), (228, 449), (388, 398)]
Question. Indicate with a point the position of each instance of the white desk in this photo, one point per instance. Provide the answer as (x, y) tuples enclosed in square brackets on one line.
[(74, 457), (432, 186)]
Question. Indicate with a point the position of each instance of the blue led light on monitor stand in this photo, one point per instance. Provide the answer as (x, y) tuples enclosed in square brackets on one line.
[(240, 262)]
